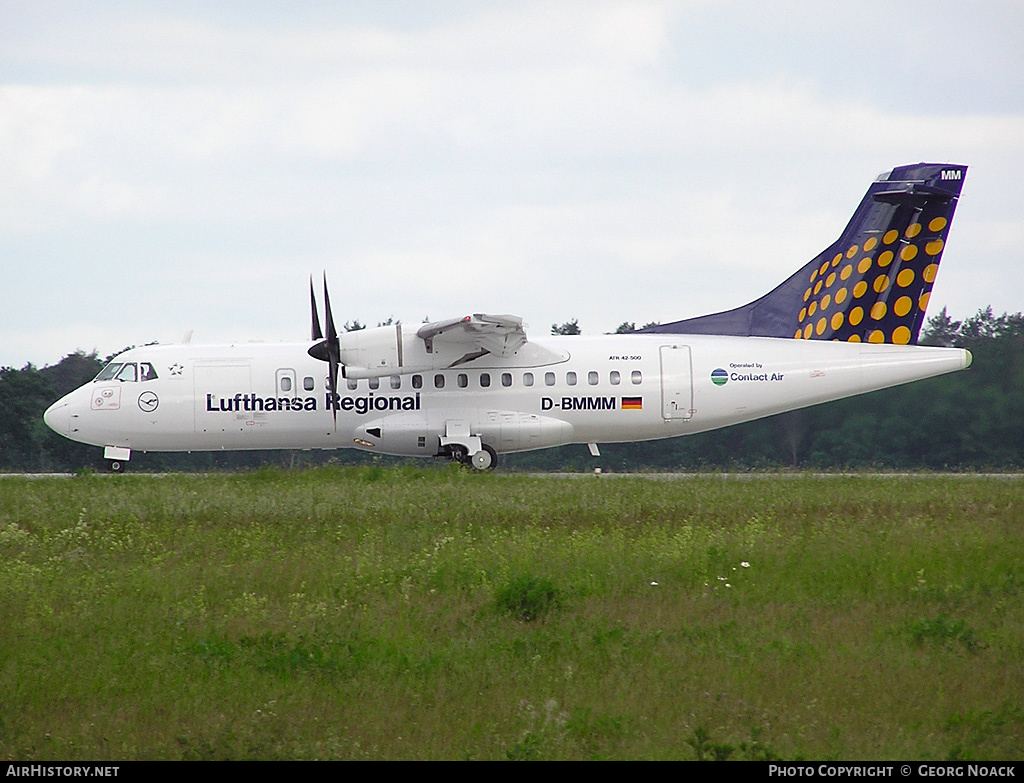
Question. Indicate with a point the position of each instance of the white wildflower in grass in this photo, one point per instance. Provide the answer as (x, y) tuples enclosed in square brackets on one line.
[(745, 564)]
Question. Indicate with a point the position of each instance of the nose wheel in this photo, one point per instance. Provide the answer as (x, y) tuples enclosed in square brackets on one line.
[(117, 458)]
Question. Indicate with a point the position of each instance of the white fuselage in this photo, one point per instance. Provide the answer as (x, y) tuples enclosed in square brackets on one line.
[(562, 390)]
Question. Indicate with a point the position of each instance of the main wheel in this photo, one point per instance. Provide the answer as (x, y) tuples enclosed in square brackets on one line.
[(485, 459), (117, 466)]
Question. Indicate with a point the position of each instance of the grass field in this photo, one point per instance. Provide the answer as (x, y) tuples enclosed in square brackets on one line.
[(436, 614)]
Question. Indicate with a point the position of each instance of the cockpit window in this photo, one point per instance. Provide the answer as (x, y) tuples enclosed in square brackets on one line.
[(128, 372), (109, 371)]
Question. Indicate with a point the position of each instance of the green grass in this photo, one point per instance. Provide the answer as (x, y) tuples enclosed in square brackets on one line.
[(438, 614)]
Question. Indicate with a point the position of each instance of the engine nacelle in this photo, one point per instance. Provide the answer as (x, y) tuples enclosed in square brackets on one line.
[(390, 350), (398, 350), (372, 353)]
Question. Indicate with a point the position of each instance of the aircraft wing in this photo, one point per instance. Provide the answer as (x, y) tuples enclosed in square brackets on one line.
[(499, 335)]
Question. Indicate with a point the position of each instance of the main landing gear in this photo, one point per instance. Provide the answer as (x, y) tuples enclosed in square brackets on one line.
[(459, 446), (484, 459)]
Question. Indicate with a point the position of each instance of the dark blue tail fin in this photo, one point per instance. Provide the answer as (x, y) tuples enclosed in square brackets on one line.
[(873, 283)]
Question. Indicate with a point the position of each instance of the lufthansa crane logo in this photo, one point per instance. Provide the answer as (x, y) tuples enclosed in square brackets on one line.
[(148, 401)]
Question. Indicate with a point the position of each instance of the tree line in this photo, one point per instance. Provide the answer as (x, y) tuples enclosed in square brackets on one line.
[(971, 420)]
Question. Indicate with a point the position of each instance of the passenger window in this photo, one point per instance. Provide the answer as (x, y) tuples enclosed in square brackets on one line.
[(128, 373), (636, 377), (570, 378), (351, 383), (614, 377), (592, 378), (549, 379), (307, 383), (374, 383), (485, 380), (463, 380), (439, 381), (527, 379), (396, 381), (417, 381), (506, 379)]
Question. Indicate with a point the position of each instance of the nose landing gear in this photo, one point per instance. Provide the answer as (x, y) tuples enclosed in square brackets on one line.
[(117, 458)]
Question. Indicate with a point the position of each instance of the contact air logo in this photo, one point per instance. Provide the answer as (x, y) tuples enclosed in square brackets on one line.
[(744, 372)]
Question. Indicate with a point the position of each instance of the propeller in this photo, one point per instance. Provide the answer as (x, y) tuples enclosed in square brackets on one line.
[(329, 348)]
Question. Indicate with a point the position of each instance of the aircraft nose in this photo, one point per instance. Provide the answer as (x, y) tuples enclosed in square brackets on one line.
[(58, 418)]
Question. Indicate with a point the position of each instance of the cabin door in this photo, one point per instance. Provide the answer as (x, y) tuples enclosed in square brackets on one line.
[(676, 382)]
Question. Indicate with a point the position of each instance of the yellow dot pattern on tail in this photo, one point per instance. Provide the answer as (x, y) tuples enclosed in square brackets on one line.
[(885, 277)]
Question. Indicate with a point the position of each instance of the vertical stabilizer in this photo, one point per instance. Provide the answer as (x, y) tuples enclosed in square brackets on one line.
[(870, 285)]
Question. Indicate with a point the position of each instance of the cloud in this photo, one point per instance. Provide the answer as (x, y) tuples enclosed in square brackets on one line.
[(605, 161)]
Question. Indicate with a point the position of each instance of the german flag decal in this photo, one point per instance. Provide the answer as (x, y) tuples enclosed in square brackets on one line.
[(632, 403)]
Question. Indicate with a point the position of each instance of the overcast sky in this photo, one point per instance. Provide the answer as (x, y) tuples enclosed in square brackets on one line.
[(178, 166)]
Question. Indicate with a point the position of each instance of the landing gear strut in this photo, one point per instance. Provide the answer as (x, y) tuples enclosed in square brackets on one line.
[(457, 453)]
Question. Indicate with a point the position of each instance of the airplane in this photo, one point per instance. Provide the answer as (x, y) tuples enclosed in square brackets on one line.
[(470, 388)]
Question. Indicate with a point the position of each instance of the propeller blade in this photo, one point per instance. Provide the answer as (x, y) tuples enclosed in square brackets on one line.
[(334, 383), (316, 333), (333, 351), (332, 333)]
